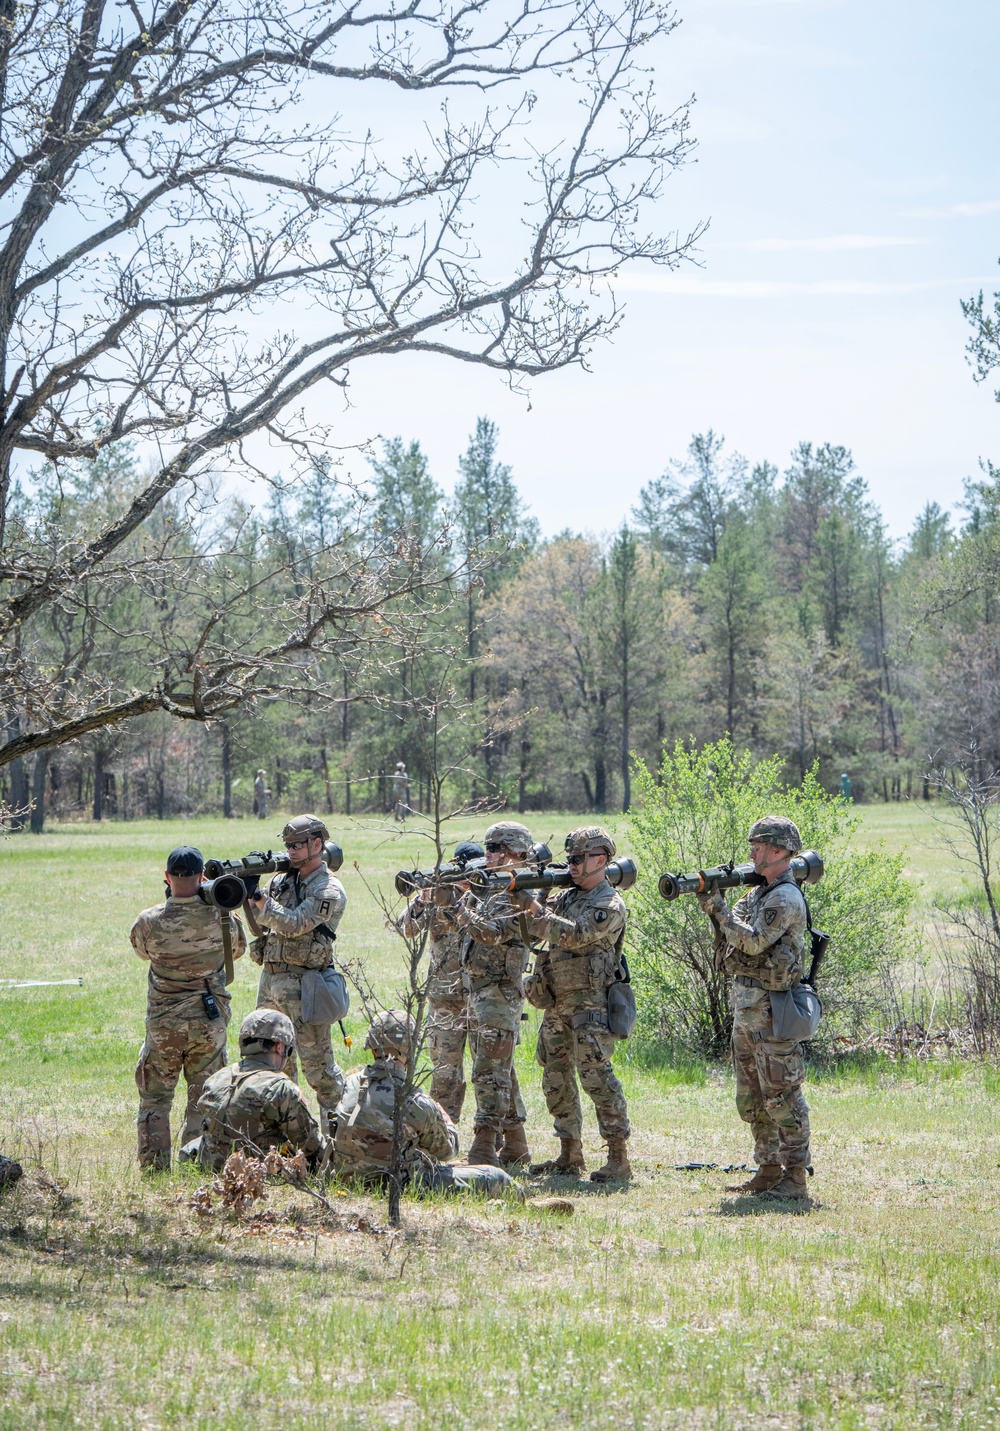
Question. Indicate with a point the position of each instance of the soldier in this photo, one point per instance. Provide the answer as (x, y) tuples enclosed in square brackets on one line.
[(260, 794), (764, 937), (300, 914), (494, 963), (187, 1006), (447, 1001), (571, 982), (400, 792), (253, 1106), (363, 1142)]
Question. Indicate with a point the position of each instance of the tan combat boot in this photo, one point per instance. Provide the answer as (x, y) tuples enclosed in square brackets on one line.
[(483, 1152), (792, 1185), (617, 1168), (763, 1180), (569, 1164), (515, 1152)]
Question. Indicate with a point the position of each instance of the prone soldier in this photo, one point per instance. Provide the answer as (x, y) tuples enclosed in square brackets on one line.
[(570, 983), (187, 1006), (762, 948), (448, 1014), (252, 1105), (494, 962), (299, 915), (363, 1141)]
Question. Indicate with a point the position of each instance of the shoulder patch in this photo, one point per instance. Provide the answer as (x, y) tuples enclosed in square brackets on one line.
[(600, 915), (324, 909), (770, 915)]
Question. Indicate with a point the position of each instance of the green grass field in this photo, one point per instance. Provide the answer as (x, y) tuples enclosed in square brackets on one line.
[(666, 1304)]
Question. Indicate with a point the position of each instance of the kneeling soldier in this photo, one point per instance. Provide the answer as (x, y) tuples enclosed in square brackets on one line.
[(764, 936), (570, 983), (300, 914), (363, 1141), (253, 1106), (187, 1006)]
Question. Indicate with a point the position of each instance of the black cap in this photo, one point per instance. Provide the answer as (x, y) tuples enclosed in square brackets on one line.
[(185, 860), (468, 850)]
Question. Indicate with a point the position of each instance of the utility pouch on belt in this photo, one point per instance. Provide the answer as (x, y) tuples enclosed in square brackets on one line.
[(795, 1013), (621, 1002), (325, 997)]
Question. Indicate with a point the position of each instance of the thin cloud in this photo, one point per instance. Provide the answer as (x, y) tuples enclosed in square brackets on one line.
[(836, 243), (962, 211), (686, 285)]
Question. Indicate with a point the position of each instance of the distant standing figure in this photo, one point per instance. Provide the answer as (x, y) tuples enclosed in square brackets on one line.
[(400, 792), (260, 794), (187, 1005), (846, 788)]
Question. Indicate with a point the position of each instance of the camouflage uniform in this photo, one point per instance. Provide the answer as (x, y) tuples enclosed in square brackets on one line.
[(363, 1142), (765, 936), (493, 968), (448, 1013), (182, 939), (570, 982), (293, 942), (253, 1101)]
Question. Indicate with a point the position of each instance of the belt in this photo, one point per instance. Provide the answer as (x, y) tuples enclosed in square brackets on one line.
[(275, 966), (749, 983), (592, 1016)]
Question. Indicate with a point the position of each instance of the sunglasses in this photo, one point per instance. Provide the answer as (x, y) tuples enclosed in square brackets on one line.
[(577, 859), (492, 848), (296, 845)]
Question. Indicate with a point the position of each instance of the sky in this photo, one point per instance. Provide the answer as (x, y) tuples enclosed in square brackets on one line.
[(848, 163)]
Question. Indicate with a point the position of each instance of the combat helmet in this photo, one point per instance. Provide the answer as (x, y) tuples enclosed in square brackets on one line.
[(590, 840), (264, 1027), (777, 830), (305, 827), (508, 832), (391, 1032)]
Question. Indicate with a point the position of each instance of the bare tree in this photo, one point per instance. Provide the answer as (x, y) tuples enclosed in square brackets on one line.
[(170, 212)]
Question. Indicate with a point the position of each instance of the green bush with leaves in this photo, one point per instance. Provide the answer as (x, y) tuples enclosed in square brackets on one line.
[(695, 812)]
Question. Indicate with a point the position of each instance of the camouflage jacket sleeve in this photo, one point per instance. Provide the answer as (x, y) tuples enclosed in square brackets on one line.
[(419, 914), (438, 1135), (324, 900), (598, 917), (493, 920), (141, 928), (239, 937), (754, 925), (288, 1114)]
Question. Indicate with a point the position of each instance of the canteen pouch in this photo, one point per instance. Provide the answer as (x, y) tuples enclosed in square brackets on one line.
[(325, 997), (621, 1000), (538, 993), (795, 1013)]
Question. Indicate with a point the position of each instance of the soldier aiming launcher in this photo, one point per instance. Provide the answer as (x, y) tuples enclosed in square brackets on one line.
[(230, 883), (452, 872), (620, 873), (806, 867)]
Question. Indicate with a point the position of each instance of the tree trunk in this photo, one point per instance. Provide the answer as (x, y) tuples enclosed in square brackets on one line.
[(18, 778), (326, 779), (227, 771), (38, 792), (98, 811)]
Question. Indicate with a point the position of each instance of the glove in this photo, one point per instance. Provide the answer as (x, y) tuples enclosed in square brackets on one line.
[(712, 902), (251, 884)]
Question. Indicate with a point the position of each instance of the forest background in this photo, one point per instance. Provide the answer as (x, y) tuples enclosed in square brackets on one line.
[(767, 602)]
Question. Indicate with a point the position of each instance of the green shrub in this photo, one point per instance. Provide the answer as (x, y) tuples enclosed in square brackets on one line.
[(695, 812)]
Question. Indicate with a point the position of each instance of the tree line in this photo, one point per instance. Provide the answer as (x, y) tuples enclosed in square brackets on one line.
[(767, 603)]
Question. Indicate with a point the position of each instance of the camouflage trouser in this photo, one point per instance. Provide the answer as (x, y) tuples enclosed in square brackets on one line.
[(564, 1051), (447, 1035), (282, 990), (447, 1178), (769, 1075), (194, 1046), (495, 1025)]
